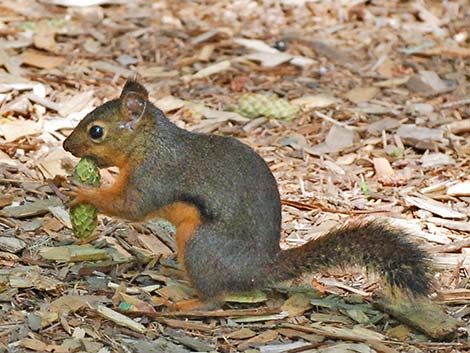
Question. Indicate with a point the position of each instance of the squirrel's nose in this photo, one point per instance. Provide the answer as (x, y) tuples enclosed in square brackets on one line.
[(66, 144), (69, 145)]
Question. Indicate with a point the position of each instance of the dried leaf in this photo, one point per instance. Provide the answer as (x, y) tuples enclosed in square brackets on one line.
[(12, 245), (34, 344), (30, 209), (316, 101), (338, 139), (266, 336), (211, 69), (410, 131), (268, 59), (256, 45), (460, 189), (169, 103), (73, 303), (386, 175), (297, 304), (42, 61), (44, 37), (13, 130), (436, 160), (73, 253), (362, 94), (31, 277), (241, 334), (155, 245), (427, 82)]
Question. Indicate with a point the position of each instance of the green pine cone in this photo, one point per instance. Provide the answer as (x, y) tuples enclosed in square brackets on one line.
[(84, 217), (87, 172), (270, 106)]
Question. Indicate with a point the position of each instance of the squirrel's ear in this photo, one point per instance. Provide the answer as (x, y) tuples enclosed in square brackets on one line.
[(133, 86), (133, 100)]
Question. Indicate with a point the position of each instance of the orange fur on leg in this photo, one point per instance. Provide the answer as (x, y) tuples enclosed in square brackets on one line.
[(186, 218)]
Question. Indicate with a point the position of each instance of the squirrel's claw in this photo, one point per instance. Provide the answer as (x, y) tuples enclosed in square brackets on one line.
[(72, 202), (70, 188), (75, 192), (71, 192)]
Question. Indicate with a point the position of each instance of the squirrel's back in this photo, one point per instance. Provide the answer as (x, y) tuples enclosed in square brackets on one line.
[(229, 182)]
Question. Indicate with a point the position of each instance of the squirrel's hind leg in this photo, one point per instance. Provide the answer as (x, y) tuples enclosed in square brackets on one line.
[(218, 263), (205, 267)]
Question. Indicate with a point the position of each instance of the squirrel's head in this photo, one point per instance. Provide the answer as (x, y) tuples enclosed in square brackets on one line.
[(106, 134)]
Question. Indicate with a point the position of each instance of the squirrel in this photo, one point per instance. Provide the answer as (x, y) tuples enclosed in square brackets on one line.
[(224, 202)]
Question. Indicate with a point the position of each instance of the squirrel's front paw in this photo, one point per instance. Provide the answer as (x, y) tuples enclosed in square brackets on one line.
[(78, 194)]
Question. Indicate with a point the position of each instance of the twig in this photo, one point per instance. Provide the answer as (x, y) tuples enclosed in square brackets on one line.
[(186, 325), (456, 103), (57, 191), (375, 344), (9, 180), (23, 146), (451, 247), (217, 313), (333, 121), (309, 207), (459, 127), (307, 347)]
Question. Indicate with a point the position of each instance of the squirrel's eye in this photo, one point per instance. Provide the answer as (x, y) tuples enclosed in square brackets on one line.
[(96, 132)]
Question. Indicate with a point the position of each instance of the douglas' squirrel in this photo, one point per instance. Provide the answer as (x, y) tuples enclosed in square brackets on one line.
[(224, 202)]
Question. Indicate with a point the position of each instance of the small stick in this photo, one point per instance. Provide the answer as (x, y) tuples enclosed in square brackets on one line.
[(216, 313)]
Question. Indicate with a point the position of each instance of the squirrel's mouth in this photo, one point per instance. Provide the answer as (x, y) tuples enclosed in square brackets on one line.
[(76, 148), (100, 163), (80, 151)]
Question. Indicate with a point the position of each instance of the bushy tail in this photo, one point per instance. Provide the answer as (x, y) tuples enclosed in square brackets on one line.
[(384, 250)]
